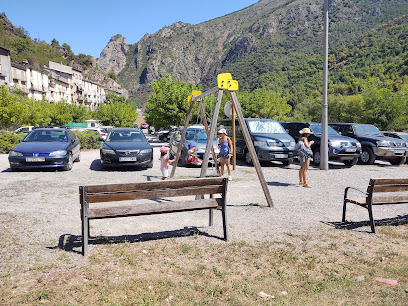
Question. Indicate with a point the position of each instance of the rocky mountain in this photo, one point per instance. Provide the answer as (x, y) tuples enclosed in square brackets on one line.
[(269, 36), (113, 56)]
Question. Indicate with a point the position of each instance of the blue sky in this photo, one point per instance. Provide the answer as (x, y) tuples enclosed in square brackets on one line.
[(88, 25)]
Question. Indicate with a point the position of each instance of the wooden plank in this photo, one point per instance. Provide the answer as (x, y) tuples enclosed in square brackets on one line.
[(387, 181), (152, 194), (197, 182), (390, 199), (357, 201), (251, 148), (389, 188), (152, 208)]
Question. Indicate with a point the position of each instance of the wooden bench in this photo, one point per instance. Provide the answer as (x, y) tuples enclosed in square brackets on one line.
[(156, 191), (379, 192)]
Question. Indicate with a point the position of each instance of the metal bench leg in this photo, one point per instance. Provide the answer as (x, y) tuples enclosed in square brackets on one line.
[(370, 214), (344, 211), (211, 214)]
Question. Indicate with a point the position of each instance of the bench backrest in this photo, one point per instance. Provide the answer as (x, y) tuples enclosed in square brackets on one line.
[(387, 189), (152, 190)]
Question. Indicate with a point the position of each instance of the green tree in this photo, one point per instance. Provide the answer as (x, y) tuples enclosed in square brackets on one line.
[(264, 103), (116, 114), (112, 97), (11, 111), (54, 43), (112, 75), (60, 113), (167, 104)]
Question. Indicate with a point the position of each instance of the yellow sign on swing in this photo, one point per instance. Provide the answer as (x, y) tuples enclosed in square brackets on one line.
[(193, 93), (225, 81)]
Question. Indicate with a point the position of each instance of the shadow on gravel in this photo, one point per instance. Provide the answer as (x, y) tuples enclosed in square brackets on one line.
[(96, 166), (396, 221), (279, 184), (72, 243)]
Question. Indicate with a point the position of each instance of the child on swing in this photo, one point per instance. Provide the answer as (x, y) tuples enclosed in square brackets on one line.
[(192, 157)]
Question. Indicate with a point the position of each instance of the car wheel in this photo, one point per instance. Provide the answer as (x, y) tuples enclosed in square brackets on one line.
[(367, 156), (78, 159), (286, 162), (70, 163), (165, 139), (351, 162), (150, 165), (397, 161), (248, 159), (316, 157)]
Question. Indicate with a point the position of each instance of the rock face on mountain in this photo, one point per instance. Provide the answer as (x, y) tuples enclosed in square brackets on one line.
[(113, 56), (251, 44)]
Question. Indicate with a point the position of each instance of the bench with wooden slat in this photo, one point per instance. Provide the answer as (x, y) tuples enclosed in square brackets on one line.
[(379, 192), (152, 190)]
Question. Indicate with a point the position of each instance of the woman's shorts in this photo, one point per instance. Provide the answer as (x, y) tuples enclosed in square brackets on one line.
[(224, 155), (165, 172)]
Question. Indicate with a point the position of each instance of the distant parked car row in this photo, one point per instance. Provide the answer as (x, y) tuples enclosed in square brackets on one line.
[(60, 147)]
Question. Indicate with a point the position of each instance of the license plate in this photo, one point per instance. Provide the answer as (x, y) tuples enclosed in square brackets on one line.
[(350, 149), (35, 159), (125, 159), (281, 155)]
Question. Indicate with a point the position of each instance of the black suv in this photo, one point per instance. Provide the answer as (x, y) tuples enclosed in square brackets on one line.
[(375, 144), (271, 141), (341, 148)]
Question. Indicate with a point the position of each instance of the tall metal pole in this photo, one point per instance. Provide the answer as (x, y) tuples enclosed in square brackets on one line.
[(324, 154)]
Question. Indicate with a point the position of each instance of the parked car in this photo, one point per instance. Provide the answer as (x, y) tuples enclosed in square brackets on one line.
[(195, 134), (151, 129), (165, 134), (271, 141), (103, 132), (374, 144), (125, 147), (144, 126), (24, 129), (136, 126), (398, 135), (341, 148), (46, 148)]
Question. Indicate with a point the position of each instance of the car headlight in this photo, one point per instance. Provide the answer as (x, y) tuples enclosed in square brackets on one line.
[(383, 143), (58, 153), (292, 143), (14, 153), (358, 145), (145, 151), (107, 151), (258, 143)]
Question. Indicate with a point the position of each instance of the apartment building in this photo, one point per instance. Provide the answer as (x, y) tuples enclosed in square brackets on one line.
[(5, 67), (55, 83)]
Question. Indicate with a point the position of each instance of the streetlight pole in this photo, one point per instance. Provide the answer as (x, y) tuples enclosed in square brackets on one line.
[(324, 154)]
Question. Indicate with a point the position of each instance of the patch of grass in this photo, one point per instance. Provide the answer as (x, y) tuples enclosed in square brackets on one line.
[(205, 271)]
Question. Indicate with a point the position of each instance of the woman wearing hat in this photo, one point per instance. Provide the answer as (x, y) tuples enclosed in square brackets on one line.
[(305, 153), (225, 145)]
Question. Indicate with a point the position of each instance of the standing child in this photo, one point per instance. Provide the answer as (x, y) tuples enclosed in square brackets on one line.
[(164, 162), (225, 145), (305, 153)]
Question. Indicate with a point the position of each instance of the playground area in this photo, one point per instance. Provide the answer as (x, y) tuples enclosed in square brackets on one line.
[(269, 247)]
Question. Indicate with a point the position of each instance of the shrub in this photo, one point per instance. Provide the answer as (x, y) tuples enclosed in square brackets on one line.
[(9, 140), (89, 139)]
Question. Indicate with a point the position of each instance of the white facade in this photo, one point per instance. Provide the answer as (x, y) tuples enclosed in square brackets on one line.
[(38, 85), (5, 67)]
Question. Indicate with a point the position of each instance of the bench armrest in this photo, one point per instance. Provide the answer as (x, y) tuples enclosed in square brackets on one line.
[(347, 189)]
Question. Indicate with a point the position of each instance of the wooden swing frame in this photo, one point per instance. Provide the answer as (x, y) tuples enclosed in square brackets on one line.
[(225, 83)]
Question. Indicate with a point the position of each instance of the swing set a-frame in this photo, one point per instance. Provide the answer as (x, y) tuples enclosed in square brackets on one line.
[(225, 83)]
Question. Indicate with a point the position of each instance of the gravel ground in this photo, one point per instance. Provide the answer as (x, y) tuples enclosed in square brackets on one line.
[(39, 209)]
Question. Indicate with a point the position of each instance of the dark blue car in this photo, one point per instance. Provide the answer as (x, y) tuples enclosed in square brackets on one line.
[(125, 147), (46, 148)]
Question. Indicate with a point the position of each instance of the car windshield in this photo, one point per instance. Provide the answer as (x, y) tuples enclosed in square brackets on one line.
[(265, 127), (317, 129), (196, 134), (47, 136), (125, 136), (367, 129)]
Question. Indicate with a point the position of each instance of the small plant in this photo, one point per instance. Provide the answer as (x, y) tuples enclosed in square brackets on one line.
[(9, 140)]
